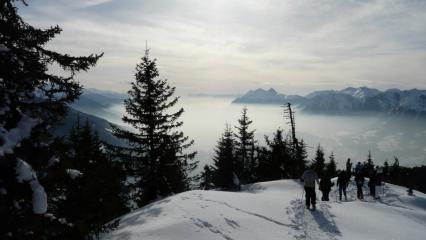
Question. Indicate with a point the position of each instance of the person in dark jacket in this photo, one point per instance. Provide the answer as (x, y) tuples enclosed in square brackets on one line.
[(325, 185), (359, 180), (372, 184), (342, 182)]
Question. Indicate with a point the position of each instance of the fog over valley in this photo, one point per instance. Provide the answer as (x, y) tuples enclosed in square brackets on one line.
[(348, 136)]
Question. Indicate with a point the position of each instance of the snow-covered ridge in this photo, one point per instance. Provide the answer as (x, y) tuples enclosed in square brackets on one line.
[(275, 210)]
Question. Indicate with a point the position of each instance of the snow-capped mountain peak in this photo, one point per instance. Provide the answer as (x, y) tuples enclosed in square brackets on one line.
[(361, 92)]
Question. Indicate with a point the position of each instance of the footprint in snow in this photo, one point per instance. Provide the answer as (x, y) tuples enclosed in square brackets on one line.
[(232, 223), (313, 224), (206, 225)]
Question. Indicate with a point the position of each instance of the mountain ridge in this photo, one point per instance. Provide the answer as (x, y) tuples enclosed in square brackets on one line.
[(99, 125), (347, 100)]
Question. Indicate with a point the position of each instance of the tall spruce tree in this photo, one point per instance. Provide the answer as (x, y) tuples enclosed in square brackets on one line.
[(157, 146), (244, 145), (225, 162), (331, 167), (32, 101), (318, 163)]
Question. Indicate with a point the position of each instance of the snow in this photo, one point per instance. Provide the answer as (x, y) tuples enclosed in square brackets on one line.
[(25, 173), (39, 197), (52, 161), (14, 136), (275, 210), (235, 179), (74, 173), (3, 48), (361, 92)]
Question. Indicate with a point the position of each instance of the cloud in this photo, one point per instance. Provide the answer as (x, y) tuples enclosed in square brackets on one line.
[(389, 144), (298, 46)]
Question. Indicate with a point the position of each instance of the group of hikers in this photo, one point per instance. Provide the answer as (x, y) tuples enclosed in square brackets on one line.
[(310, 177)]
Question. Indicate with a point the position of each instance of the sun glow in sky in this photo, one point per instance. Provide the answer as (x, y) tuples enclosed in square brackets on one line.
[(224, 46)]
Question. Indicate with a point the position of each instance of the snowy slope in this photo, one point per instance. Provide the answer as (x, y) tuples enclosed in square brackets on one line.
[(275, 210)]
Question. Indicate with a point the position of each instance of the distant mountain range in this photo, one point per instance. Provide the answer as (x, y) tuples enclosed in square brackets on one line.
[(96, 102), (90, 106), (100, 125), (348, 100)]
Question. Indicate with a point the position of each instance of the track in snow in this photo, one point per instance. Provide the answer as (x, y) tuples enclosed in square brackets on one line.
[(319, 224), (313, 225)]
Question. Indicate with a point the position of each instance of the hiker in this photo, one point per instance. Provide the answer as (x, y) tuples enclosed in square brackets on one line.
[(372, 184), (309, 178), (358, 168), (342, 182), (359, 180), (325, 185)]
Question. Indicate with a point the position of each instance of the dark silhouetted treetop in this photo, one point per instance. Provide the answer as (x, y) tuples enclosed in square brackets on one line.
[(224, 161), (244, 145)]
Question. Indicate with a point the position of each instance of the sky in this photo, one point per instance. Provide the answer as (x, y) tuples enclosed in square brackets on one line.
[(232, 46)]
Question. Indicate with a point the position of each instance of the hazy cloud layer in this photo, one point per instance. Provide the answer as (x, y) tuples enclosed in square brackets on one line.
[(233, 46)]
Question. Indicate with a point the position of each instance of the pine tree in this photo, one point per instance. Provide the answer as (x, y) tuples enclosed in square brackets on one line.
[(244, 148), (279, 156), (318, 163), (263, 168), (331, 168), (225, 162), (300, 159), (369, 165), (94, 185), (385, 170), (32, 101), (160, 165), (395, 171), (206, 178)]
